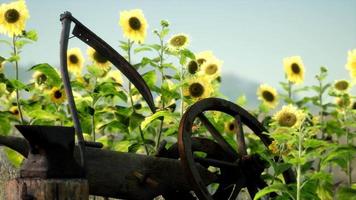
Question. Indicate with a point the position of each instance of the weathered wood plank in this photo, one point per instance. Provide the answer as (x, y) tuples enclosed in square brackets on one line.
[(47, 189)]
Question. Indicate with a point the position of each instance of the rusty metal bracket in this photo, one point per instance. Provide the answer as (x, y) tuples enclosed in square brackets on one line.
[(51, 152)]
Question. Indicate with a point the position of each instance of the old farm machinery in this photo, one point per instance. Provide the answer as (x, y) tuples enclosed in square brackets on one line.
[(174, 173)]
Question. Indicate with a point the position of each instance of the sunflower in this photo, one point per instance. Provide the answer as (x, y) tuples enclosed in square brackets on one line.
[(57, 95), (273, 147), (343, 101), (75, 60), (230, 127), (294, 68), (351, 63), (198, 88), (192, 67), (211, 68), (268, 95), (39, 78), (289, 116), (204, 56), (178, 42), (115, 76), (15, 111), (134, 25), (13, 18), (98, 59), (342, 85)]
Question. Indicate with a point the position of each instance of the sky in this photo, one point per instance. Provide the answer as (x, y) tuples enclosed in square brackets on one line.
[(251, 36)]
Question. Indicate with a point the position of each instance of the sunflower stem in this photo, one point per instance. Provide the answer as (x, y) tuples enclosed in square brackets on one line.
[(162, 81), (300, 138), (290, 90), (181, 77), (17, 78), (321, 114), (93, 114), (349, 157), (131, 99)]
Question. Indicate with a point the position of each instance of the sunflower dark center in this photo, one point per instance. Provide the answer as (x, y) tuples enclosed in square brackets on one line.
[(231, 126), (341, 85), (268, 96), (295, 68), (99, 58), (12, 15), (354, 106), (57, 94), (211, 69), (73, 59), (135, 23), (15, 112), (287, 119), (192, 67), (196, 90), (178, 40), (41, 78), (201, 61)]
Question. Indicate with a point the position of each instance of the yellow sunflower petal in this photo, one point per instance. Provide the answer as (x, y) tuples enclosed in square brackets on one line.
[(178, 42), (268, 95), (289, 116), (294, 69), (351, 64), (75, 60), (230, 127), (98, 59), (211, 68), (134, 25), (57, 95), (198, 87), (204, 56), (15, 111), (13, 17)]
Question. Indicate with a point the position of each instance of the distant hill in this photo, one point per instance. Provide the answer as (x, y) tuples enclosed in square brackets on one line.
[(233, 86)]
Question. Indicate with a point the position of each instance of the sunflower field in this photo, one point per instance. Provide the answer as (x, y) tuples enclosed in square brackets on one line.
[(312, 126)]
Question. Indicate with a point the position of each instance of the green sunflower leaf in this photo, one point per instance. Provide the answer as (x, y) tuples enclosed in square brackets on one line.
[(135, 121), (18, 84), (345, 193), (168, 117), (134, 147), (150, 77), (142, 49), (96, 71), (51, 74), (122, 146), (14, 157), (164, 33), (5, 126), (31, 35), (276, 187), (21, 43)]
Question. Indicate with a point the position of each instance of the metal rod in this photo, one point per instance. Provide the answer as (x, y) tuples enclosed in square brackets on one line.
[(66, 20)]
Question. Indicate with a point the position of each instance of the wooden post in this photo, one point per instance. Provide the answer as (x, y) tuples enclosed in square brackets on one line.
[(46, 189)]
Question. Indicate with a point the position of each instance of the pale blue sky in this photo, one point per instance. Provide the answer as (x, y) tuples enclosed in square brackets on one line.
[(251, 37)]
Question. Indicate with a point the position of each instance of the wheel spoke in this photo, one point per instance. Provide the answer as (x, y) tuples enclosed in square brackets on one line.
[(217, 136), (214, 162), (240, 136)]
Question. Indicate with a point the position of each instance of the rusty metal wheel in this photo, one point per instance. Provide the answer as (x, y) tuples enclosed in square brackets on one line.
[(210, 150), (237, 169)]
